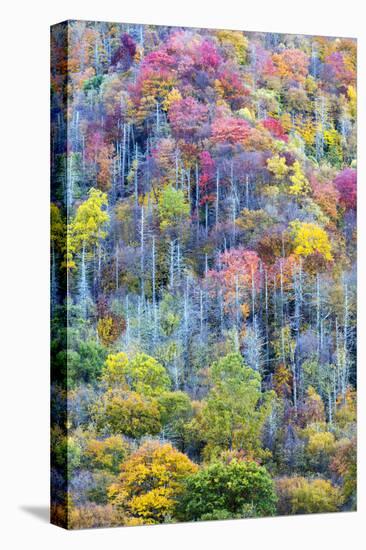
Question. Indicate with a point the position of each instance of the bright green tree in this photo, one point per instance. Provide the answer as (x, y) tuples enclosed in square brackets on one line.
[(176, 411), (173, 207), (222, 491), (235, 409)]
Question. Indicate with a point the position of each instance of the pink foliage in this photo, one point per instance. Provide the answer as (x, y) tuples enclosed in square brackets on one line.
[(326, 195), (234, 90), (158, 60), (346, 183), (178, 42), (275, 128), (201, 52), (230, 130), (262, 61), (207, 55), (94, 143), (240, 259), (238, 269), (207, 163), (337, 69), (206, 181), (187, 116)]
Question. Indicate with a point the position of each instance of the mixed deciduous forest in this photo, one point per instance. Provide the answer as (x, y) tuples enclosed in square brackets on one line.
[(203, 274)]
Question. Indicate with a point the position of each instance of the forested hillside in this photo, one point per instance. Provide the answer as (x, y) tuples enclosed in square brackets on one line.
[(203, 274)]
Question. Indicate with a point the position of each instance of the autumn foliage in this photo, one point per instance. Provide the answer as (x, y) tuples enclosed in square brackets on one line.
[(203, 274)]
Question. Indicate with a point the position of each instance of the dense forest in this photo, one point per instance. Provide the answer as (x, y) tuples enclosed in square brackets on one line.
[(203, 274)]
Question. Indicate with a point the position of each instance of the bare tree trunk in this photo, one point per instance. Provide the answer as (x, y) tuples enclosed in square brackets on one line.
[(142, 254), (237, 305), (282, 317), (217, 198), (117, 268), (267, 313), (136, 178), (171, 281), (345, 338), (123, 170), (318, 313), (197, 203)]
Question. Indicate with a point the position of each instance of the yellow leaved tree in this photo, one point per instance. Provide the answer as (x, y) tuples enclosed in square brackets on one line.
[(277, 165), (150, 482), (235, 40), (281, 171), (88, 227), (300, 184), (309, 238)]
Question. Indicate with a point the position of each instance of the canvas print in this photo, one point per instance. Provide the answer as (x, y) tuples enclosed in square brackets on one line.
[(203, 274)]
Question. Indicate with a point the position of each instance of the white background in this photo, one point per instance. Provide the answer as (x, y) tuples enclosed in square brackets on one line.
[(24, 197)]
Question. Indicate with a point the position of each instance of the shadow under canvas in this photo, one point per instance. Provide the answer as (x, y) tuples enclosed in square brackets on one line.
[(40, 512)]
